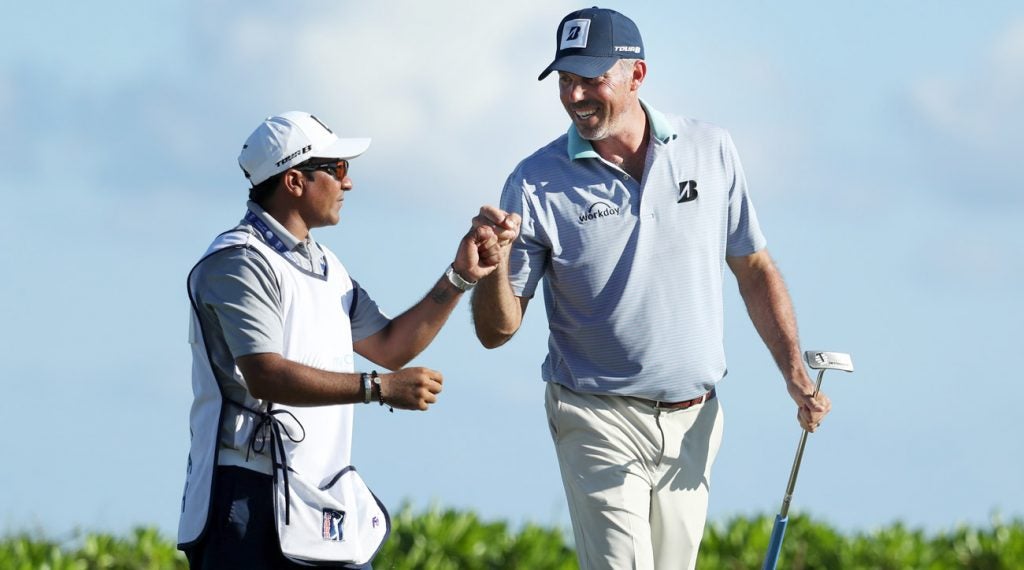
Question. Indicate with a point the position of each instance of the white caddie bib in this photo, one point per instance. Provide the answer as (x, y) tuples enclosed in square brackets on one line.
[(324, 510)]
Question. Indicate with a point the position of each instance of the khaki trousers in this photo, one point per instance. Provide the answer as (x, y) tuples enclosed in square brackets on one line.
[(636, 478)]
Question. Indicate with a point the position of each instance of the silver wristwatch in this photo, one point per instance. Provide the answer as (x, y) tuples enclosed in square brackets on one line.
[(455, 279)]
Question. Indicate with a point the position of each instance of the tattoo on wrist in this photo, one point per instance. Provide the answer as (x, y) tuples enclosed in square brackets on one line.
[(440, 294)]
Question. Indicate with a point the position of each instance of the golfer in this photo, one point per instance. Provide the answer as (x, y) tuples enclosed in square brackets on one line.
[(276, 320), (631, 218)]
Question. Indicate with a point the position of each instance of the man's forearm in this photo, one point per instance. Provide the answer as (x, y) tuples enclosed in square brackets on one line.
[(497, 312), (412, 331), (771, 311), (269, 376)]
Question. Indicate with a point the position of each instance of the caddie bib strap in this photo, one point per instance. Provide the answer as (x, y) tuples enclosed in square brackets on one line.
[(270, 425)]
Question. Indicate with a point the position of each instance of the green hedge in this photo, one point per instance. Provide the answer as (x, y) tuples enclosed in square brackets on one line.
[(741, 543), (451, 540)]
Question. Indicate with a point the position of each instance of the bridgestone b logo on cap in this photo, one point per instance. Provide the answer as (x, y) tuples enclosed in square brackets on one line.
[(574, 34)]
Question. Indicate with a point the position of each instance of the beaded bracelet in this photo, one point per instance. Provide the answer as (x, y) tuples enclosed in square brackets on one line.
[(380, 390)]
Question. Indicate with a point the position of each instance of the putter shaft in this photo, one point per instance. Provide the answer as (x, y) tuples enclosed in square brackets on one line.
[(784, 511), (821, 361)]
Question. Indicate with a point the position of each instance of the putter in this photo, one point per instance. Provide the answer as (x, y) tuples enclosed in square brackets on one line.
[(821, 361)]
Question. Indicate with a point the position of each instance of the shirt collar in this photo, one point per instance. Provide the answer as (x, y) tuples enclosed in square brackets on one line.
[(286, 237), (662, 130)]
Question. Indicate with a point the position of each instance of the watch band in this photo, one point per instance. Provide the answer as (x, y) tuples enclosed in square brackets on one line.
[(457, 281), (367, 388)]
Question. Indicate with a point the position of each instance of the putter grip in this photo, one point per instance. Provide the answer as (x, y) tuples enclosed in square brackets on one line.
[(775, 543)]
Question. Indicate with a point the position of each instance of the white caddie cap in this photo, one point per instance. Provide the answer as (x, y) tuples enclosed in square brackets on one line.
[(282, 141)]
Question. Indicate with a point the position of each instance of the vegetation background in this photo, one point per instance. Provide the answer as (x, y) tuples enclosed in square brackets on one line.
[(438, 539)]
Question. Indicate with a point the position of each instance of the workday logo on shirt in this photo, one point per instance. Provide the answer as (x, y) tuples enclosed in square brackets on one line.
[(598, 210)]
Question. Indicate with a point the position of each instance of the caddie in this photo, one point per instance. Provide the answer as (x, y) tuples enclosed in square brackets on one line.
[(276, 319)]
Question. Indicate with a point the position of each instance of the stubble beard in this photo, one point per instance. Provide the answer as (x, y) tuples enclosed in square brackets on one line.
[(598, 132)]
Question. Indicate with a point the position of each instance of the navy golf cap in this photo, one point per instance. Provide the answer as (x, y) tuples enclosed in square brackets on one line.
[(590, 41)]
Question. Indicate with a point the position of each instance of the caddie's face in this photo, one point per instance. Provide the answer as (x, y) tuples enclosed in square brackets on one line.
[(324, 195), (598, 105)]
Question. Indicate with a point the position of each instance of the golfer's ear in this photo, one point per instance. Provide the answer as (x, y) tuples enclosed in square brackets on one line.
[(639, 73)]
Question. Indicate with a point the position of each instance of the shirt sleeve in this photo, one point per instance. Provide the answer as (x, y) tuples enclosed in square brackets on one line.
[(744, 237), (528, 258), (238, 296), (366, 316)]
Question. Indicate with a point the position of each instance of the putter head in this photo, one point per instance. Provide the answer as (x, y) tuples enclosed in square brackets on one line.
[(824, 360)]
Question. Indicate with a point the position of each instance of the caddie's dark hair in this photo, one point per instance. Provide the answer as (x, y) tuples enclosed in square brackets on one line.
[(261, 192)]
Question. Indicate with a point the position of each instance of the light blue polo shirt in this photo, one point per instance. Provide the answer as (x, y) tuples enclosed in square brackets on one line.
[(633, 272)]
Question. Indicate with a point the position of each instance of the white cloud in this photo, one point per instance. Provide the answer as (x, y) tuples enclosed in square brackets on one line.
[(983, 110), (446, 89), (435, 72), (1009, 49), (436, 85)]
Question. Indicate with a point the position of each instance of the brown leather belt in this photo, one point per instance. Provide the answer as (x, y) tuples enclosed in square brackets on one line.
[(684, 404)]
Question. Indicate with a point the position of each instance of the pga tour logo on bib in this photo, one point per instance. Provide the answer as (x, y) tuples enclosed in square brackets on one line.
[(574, 34), (332, 524)]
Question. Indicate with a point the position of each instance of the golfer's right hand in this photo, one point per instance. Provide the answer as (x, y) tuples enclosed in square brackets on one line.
[(811, 409), (411, 388), (504, 226)]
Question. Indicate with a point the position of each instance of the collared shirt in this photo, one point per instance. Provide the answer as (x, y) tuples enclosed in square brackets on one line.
[(303, 253), (633, 271)]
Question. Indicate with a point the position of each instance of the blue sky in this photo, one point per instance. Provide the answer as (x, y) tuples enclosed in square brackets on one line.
[(882, 142)]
